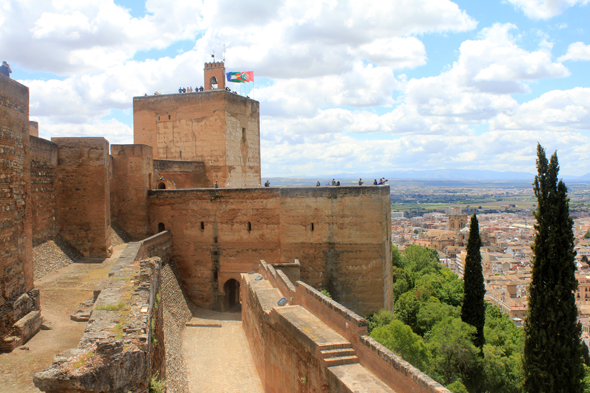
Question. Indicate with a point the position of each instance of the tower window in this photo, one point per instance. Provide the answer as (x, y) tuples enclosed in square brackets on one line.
[(243, 135), (202, 226), (249, 226), (168, 117), (158, 117), (312, 227), (161, 227)]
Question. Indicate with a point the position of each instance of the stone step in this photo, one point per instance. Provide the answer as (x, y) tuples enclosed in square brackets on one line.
[(335, 345), (340, 360), (330, 353)]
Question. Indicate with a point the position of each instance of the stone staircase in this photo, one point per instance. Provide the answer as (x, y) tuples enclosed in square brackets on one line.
[(338, 354)]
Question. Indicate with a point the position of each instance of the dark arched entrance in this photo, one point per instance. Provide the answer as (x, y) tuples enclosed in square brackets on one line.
[(161, 186), (231, 288)]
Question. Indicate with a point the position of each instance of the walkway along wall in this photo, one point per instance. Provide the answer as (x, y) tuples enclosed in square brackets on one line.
[(332, 353), (123, 344), (340, 235)]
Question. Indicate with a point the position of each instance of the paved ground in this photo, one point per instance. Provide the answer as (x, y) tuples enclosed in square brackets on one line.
[(61, 295), (218, 359)]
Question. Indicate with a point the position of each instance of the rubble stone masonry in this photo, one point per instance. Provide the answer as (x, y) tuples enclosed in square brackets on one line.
[(43, 189), (339, 234), (84, 217), (16, 265)]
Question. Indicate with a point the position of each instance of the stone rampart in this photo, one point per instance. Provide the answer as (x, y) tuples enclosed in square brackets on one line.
[(123, 344), (132, 177), (159, 245), (340, 235), (264, 294), (43, 189), (84, 216), (16, 264)]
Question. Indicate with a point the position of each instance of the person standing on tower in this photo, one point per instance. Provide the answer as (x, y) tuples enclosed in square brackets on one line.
[(5, 69)]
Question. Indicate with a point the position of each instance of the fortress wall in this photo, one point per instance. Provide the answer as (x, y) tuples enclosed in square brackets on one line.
[(221, 248), (182, 174), (242, 135), (132, 174), (16, 265), (84, 217), (159, 245), (43, 189), (348, 252)]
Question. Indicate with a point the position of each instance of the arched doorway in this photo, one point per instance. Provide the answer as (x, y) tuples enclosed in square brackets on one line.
[(161, 227), (231, 288), (161, 186)]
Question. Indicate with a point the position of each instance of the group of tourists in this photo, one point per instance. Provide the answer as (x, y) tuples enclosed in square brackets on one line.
[(190, 89), (336, 183)]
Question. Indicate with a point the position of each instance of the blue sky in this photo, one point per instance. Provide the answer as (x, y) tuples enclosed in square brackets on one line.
[(344, 86)]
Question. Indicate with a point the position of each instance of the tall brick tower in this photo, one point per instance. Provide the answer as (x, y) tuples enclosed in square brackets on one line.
[(215, 75), (218, 128)]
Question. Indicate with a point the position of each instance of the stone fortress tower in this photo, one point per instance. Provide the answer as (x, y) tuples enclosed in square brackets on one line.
[(219, 129)]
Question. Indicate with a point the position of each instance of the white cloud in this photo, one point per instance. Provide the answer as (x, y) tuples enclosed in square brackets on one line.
[(545, 9), (112, 130), (577, 51), (67, 37), (557, 110)]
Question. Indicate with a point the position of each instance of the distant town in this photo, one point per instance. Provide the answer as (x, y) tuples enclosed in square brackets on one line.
[(438, 218)]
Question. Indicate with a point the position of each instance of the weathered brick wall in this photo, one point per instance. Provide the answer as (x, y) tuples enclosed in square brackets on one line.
[(217, 127), (84, 217), (242, 136), (218, 234), (43, 189), (132, 173), (16, 266), (34, 128), (180, 174)]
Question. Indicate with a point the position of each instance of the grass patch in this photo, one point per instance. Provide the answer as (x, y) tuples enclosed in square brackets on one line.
[(83, 359), (113, 307)]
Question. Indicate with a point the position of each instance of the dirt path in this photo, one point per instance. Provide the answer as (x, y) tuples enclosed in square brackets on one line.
[(61, 295), (218, 359)]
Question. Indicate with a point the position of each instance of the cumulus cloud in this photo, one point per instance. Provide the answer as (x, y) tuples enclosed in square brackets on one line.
[(577, 51), (70, 36), (545, 9)]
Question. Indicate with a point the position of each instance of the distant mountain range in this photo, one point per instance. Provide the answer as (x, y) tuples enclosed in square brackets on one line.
[(433, 176)]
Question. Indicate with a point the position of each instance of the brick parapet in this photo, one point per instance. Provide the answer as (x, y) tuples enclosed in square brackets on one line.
[(390, 368)]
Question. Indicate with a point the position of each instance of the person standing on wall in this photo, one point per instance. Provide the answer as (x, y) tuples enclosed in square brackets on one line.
[(5, 69)]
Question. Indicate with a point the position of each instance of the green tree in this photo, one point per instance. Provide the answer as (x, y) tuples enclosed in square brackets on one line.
[(473, 311), (406, 309), (416, 259), (381, 318), (454, 357), (403, 341), (552, 351), (432, 312), (402, 282), (587, 234)]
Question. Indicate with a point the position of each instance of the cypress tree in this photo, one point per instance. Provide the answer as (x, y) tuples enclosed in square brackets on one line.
[(474, 310), (552, 350)]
